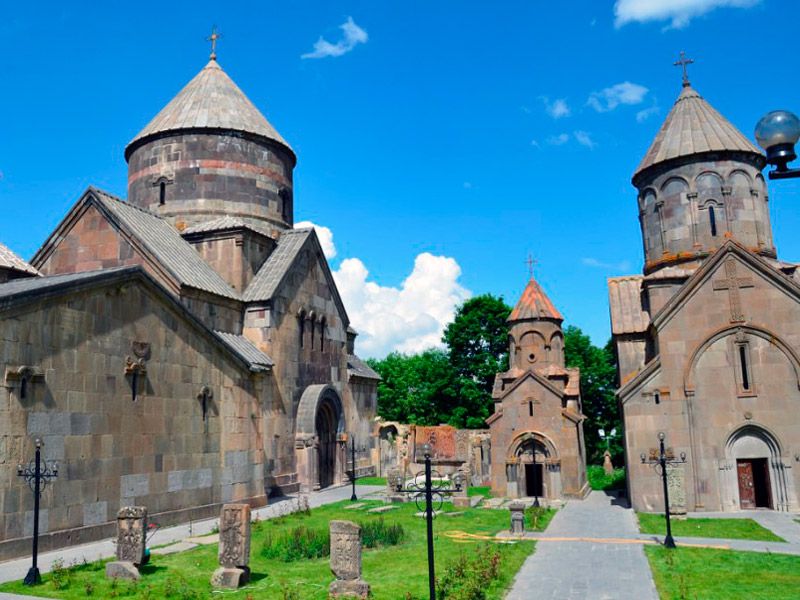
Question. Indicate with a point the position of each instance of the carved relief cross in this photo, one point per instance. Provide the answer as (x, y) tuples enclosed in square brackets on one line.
[(733, 284)]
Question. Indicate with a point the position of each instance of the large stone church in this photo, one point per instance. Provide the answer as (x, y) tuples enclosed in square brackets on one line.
[(184, 347), (708, 336)]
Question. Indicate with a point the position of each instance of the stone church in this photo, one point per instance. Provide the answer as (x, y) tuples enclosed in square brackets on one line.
[(181, 349), (708, 336), (537, 427)]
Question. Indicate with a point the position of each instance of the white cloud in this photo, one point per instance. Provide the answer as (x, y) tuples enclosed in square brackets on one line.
[(535, 144), (620, 93), (353, 35), (677, 12), (585, 139), (557, 109), (646, 113), (325, 236), (558, 140), (408, 318), (593, 262)]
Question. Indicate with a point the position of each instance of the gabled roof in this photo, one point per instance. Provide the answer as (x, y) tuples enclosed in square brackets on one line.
[(225, 223), (22, 291), (534, 304), (9, 260), (209, 101), (358, 368), (693, 126), (156, 237), (625, 305), (273, 272)]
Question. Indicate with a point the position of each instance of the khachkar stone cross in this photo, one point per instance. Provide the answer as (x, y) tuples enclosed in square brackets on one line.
[(733, 284), (234, 547), (346, 561), (131, 540), (684, 62)]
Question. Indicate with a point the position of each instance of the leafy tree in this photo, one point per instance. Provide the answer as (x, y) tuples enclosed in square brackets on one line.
[(415, 388), (477, 342), (598, 383)]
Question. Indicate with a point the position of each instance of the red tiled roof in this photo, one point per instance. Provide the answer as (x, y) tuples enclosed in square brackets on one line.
[(534, 304)]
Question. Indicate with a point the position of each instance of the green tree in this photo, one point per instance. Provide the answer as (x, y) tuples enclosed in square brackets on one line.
[(415, 388), (598, 384)]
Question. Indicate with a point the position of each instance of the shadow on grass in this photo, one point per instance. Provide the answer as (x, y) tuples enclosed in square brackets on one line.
[(151, 569)]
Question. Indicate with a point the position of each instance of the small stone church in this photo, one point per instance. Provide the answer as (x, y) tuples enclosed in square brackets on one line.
[(182, 348), (708, 336), (536, 429)]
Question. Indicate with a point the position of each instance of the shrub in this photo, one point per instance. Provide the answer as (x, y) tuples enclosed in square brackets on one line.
[(468, 580), (378, 533), (297, 544), (535, 514), (59, 575), (598, 480)]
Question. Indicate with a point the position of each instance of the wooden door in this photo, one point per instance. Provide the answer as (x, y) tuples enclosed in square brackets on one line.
[(747, 493)]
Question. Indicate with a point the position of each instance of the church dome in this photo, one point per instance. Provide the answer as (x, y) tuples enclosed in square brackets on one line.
[(210, 153)]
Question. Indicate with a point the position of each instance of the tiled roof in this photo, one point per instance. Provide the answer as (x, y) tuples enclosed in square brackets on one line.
[(534, 304), (693, 126), (625, 302), (167, 246), (258, 360), (18, 288), (222, 224), (210, 101), (358, 368), (9, 260), (272, 272)]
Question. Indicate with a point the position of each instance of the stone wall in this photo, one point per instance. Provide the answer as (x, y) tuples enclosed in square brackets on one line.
[(236, 255), (209, 175), (157, 451)]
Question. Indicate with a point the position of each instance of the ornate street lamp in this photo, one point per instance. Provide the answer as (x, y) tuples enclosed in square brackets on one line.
[(661, 461), (426, 490), (777, 132), (37, 474), (353, 477), (535, 473)]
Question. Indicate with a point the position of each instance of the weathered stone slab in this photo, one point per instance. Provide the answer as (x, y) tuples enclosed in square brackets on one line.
[(676, 484), (230, 577), (345, 549), (517, 510), (356, 506), (122, 569), (382, 509), (349, 589), (131, 534), (234, 535)]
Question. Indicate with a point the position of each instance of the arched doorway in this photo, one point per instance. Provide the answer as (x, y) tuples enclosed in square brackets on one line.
[(533, 468), (319, 440), (758, 477)]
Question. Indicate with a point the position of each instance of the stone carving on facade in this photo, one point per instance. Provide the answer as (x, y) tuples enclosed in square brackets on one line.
[(346, 561), (676, 485), (131, 542), (234, 547)]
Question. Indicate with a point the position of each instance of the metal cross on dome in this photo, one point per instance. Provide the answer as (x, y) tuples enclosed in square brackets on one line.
[(683, 62), (213, 39), (531, 262)]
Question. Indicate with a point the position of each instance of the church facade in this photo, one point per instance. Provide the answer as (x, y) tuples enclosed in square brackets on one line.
[(708, 336), (181, 349), (536, 429)]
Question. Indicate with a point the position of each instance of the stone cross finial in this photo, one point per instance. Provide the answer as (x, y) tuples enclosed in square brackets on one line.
[(683, 62), (213, 39), (531, 262)]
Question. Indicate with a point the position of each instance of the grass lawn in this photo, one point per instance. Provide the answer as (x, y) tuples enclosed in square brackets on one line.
[(735, 529), (479, 490), (708, 574), (598, 480), (392, 571), (371, 481)]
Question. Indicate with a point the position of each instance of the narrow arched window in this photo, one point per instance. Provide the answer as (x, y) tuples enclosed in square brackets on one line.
[(301, 320), (162, 192), (744, 367), (312, 334), (712, 220), (530, 408)]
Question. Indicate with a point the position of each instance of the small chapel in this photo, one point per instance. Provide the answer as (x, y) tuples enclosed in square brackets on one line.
[(536, 429), (708, 336), (181, 348)]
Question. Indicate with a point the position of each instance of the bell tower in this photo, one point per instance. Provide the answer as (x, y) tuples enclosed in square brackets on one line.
[(536, 341)]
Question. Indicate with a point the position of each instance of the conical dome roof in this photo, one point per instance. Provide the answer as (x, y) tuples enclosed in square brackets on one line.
[(534, 304), (209, 101), (693, 126)]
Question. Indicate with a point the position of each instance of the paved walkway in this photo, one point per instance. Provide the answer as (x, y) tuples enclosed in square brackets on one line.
[(590, 570), (16, 569)]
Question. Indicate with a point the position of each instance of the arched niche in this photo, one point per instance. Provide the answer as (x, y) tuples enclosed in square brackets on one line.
[(674, 186), (531, 348)]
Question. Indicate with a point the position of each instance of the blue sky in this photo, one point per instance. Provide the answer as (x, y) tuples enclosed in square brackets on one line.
[(439, 142)]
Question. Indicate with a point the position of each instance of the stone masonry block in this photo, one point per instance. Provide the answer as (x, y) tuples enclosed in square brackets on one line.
[(95, 513), (134, 485), (44, 522)]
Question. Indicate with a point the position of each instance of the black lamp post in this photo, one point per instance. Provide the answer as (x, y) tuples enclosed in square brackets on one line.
[(427, 490), (660, 462), (353, 496), (777, 132), (37, 473), (535, 475)]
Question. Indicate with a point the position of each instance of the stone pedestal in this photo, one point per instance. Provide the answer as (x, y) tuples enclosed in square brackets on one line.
[(346, 561), (131, 541), (234, 547), (517, 517)]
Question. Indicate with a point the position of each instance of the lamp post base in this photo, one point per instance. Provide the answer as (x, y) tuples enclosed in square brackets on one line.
[(33, 577), (669, 542)]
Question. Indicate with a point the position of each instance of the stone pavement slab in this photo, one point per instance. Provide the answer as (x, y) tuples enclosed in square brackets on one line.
[(17, 568), (587, 570)]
